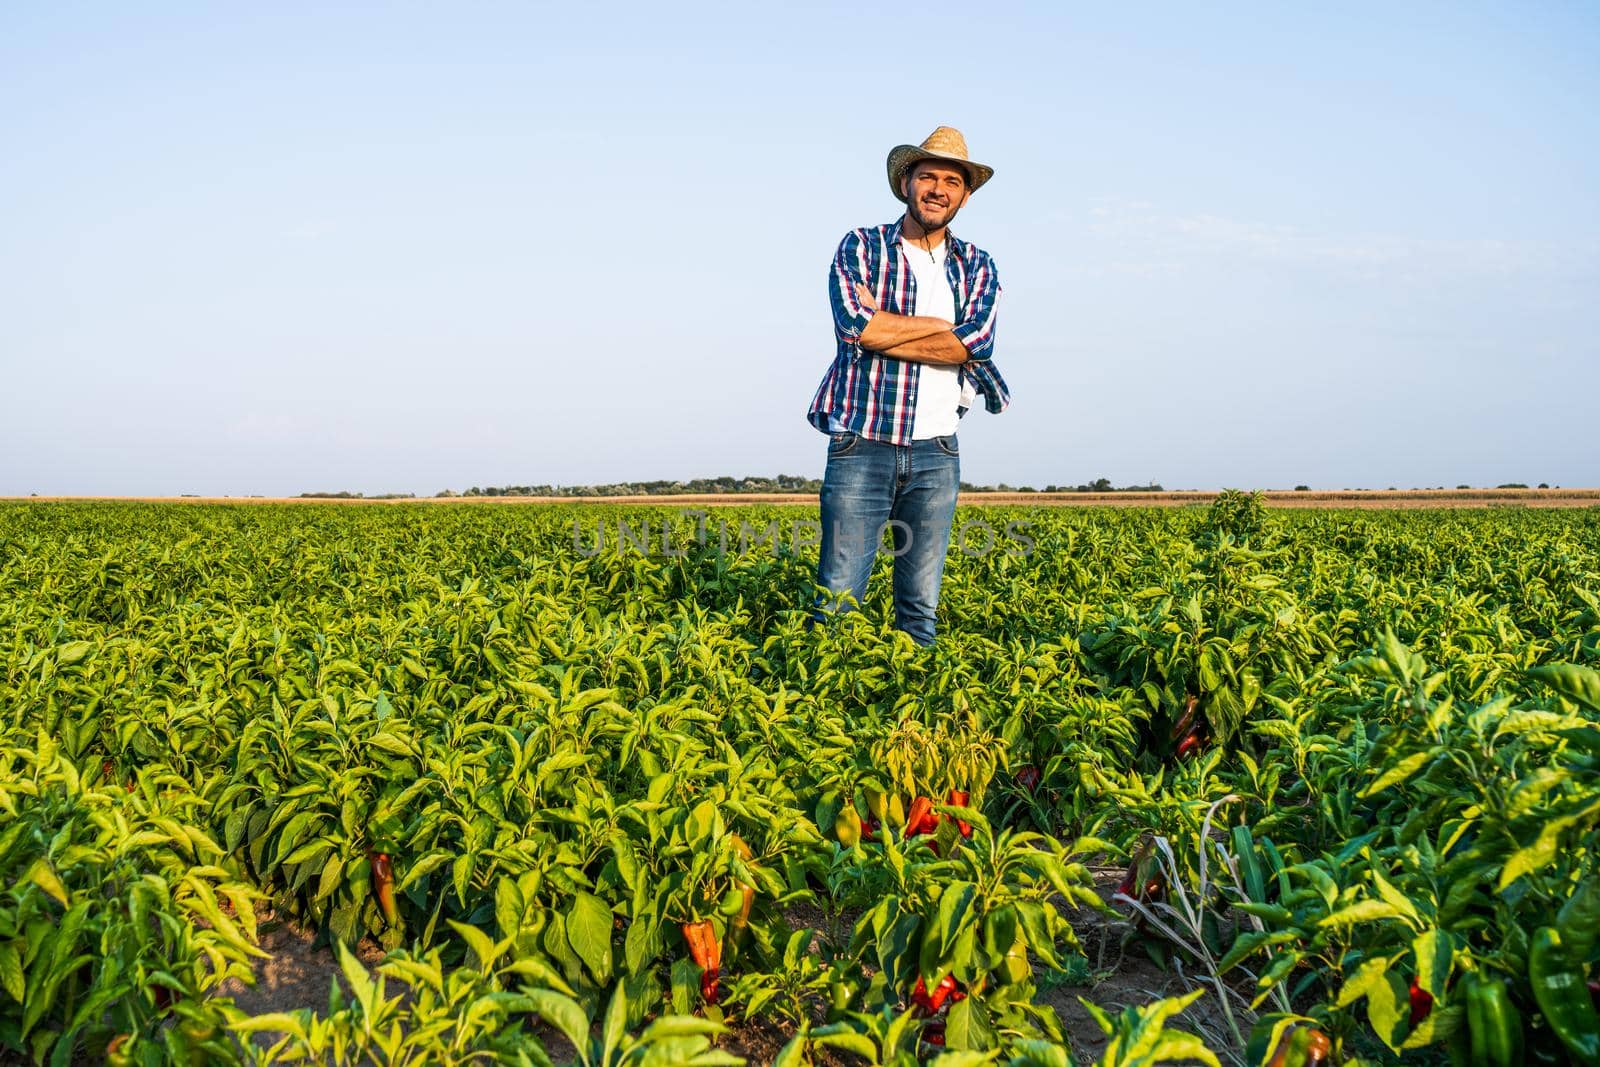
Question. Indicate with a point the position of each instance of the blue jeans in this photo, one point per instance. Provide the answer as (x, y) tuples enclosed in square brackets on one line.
[(911, 489)]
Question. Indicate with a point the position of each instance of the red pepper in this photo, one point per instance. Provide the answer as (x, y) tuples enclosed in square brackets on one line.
[(869, 828), (1421, 1003), (1192, 741), (921, 819), (383, 886), (958, 798), (1301, 1046), (1028, 777), (1186, 720), (705, 950), (933, 1034), (945, 990), (1129, 880), (708, 985)]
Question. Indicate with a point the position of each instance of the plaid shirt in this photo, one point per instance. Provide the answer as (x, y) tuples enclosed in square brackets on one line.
[(876, 395)]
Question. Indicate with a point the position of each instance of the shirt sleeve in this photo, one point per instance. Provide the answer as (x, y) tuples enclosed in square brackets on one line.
[(976, 328), (850, 315)]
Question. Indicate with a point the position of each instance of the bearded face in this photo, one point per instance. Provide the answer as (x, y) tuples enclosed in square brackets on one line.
[(935, 191)]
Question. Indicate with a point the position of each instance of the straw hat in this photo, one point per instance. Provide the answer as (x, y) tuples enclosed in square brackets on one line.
[(944, 143)]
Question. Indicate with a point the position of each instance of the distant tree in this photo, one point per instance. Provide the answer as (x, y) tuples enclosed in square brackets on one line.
[(1511, 485), (1302, 489), (1544, 485), (1463, 487)]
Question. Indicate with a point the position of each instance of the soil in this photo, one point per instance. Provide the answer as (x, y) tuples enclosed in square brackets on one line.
[(1123, 975)]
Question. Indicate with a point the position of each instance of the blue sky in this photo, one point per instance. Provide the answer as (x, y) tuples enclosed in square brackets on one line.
[(410, 247)]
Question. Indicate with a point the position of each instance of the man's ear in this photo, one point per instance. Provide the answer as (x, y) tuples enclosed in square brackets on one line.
[(905, 185)]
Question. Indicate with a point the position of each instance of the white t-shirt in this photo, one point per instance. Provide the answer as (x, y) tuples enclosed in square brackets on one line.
[(938, 386)]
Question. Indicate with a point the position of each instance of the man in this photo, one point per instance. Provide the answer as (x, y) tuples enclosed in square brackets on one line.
[(914, 316)]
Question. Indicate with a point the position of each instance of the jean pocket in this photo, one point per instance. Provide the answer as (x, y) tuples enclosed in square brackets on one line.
[(948, 445), (842, 443)]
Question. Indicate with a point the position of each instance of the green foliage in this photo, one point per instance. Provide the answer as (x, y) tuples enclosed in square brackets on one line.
[(566, 755)]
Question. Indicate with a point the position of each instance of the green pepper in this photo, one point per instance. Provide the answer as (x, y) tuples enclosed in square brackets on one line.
[(1495, 1023), (1563, 996)]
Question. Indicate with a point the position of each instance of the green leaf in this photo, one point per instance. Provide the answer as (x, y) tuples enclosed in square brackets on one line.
[(1361, 911), (1399, 772), (954, 903), (616, 1024), (72, 652), (1037, 931), (589, 933), (360, 981), (1581, 685), (967, 1026), (11, 977), (293, 1023), (1579, 919), (1435, 955), (565, 1015), (233, 828), (1388, 1003), (1363, 981), (685, 983), (793, 1054), (44, 876), (483, 947), (422, 868), (964, 1058), (1543, 850), (1320, 880), (1179, 1048), (390, 743), (669, 1026), (849, 1041), (640, 946), (1396, 899)]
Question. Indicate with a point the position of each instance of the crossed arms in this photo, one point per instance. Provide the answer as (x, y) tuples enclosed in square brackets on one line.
[(916, 338)]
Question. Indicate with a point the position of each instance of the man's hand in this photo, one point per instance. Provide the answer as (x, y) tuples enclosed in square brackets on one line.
[(919, 339)]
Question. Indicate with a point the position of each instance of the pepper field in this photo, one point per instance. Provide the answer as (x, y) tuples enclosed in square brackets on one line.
[(1334, 775)]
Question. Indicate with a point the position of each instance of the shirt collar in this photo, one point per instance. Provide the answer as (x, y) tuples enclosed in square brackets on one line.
[(952, 242)]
